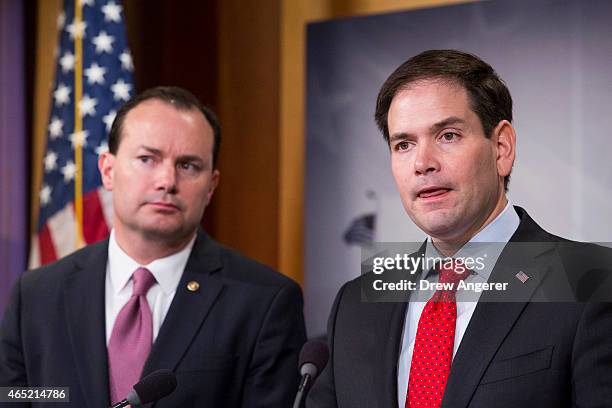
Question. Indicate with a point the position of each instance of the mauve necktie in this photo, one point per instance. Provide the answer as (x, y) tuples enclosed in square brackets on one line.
[(130, 341), (433, 346)]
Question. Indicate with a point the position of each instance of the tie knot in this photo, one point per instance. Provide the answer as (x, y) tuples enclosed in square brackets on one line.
[(143, 280), (453, 272)]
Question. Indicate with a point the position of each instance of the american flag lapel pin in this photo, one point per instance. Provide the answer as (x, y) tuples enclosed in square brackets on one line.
[(522, 276)]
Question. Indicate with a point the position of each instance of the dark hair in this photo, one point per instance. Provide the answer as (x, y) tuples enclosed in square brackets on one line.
[(180, 99), (489, 97)]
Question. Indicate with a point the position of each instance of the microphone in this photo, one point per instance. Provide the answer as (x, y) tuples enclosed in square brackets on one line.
[(313, 359), (153, 387)]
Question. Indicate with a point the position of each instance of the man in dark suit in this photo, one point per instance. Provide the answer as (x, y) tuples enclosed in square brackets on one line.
[(540, 339), (159, 293)]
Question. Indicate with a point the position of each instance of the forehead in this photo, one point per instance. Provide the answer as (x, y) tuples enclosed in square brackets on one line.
[(157, 121), (427, 101)]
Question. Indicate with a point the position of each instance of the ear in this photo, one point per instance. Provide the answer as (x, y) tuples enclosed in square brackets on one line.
[(504, 137), (214, 182), (106, 163)]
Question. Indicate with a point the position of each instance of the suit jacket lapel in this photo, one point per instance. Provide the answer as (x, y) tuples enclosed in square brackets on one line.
[(390, 342), (496, 313), (85, 318), (390, 332), (189, 308)]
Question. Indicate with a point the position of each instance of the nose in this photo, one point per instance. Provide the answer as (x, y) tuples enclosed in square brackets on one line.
[(166, 178), (426, 159)]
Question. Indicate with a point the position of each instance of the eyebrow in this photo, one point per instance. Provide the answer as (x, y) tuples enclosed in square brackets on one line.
[(451, 120), (191, 158), (151, 150), (182, 158)]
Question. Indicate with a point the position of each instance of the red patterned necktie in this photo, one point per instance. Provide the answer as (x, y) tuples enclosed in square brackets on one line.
[(433, 346), (131, 339)]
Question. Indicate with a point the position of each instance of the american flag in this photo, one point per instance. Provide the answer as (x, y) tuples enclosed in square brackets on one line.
[(522, 276), (94, 67), (361, 231)]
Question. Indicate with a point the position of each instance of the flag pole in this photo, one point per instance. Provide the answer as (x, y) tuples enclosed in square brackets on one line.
[(78, 124)]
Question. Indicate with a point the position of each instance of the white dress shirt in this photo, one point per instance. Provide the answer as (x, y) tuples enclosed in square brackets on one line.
[(499, 231), (119, 269)]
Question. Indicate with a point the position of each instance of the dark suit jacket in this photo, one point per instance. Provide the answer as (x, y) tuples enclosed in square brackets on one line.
[(525, 353), (232, 343)]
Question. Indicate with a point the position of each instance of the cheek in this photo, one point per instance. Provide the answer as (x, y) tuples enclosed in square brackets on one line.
[(196, 194), (127, 191), (481, 172), (399, 169), (123, 198), (487, 165)]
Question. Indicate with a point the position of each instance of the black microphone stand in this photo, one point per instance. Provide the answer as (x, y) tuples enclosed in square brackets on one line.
[(121, 404), (302, 390)]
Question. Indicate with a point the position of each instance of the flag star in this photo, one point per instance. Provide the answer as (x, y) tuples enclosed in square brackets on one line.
[(112, 12), (126, 61), (67, 62), (61, 20), (95, 74), (62, 94), (108, 119), (55, 127), (50, 161), (121, 90), (103, 42), (103, 148), (87, 105), (79, 138), (77, 30), (45, 195), (69, 170)]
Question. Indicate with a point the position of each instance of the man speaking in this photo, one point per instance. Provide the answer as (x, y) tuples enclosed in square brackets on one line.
[(447, 119), (160, 293)]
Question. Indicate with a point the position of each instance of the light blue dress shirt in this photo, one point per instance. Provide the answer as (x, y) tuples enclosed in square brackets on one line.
[(487, 244)]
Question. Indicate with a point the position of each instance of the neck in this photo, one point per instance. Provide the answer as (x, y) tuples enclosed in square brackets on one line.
[(144, 251), (449, 247)]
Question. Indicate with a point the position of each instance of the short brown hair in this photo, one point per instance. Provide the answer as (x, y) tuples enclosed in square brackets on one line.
[(180, 99), (489, 97)]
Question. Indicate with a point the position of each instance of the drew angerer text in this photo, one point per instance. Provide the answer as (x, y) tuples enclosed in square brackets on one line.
[(423, 284)]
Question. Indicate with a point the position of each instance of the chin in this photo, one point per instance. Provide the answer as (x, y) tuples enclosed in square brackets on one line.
[(440, 226), (167, 234)]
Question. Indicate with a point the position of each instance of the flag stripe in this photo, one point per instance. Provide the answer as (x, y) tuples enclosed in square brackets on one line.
[(106, 201), (62, 226), (47, 248), (94, 224)]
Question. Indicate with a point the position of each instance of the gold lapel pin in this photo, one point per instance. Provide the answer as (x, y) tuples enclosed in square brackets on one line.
[(193, 286)]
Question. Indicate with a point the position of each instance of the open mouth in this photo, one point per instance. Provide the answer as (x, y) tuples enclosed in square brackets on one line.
[(433, 192)]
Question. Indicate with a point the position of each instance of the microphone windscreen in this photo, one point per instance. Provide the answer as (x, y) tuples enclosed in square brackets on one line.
[(314, 352), (155, 386)]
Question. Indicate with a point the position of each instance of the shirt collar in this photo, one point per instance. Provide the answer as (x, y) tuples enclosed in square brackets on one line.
[(488, 243), (167, 271)]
